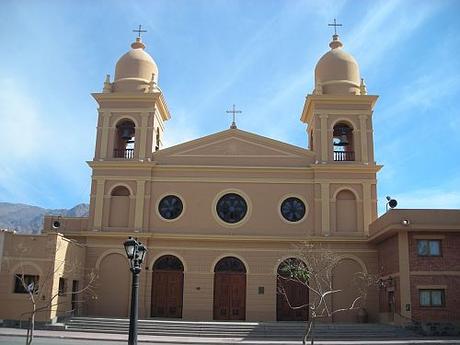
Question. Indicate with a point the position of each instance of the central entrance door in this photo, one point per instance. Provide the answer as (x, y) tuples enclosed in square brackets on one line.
[(230, 289), (167, 287), (292, 290)]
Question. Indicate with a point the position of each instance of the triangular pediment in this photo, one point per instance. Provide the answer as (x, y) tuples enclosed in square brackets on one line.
[(235, 147)]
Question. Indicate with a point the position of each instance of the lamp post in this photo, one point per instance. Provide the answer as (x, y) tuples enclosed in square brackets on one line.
[(136, 252)]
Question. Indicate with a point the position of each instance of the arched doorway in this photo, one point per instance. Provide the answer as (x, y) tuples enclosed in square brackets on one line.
[(344, 278), (229, 289), (290, 289), (112, 288), (167, 287)]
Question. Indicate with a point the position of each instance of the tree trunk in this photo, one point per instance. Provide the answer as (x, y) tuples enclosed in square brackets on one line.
[(312, 330), (307, 332), (31, 327)]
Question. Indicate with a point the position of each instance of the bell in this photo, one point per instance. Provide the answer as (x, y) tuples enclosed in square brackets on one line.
[(126, 133), (342, 140)]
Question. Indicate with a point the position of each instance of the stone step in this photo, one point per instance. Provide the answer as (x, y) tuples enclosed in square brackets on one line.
[(236, 329)]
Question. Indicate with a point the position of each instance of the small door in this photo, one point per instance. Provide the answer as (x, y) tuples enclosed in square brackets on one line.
[(295, 292), (167, 287), (230, 290)]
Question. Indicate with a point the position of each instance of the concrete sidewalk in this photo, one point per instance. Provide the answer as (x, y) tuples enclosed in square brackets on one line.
[(209, 341)]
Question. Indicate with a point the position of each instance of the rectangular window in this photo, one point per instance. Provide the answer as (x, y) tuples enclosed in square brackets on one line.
[(429, 247), (62, 286), (25, 283), (432, 298)]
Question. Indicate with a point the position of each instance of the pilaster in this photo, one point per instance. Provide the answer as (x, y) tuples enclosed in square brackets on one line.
[(139, 208), (143, 135), (324, 138), (363, 131), (404, 277), (104, 135), (325, 209), (367, 204), (100, 186)]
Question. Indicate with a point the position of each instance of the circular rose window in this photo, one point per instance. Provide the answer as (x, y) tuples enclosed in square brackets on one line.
[(293, 209), (170, 207), (231, 208)]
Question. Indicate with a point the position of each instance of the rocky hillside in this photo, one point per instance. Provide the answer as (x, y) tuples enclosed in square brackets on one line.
[(29, 219)]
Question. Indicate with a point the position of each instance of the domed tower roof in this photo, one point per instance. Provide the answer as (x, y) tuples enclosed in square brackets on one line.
[(337, 72), (134, 70)]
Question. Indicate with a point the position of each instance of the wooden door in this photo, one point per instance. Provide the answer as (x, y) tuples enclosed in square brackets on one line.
[(297, 294), (229, 296), (167, 292)]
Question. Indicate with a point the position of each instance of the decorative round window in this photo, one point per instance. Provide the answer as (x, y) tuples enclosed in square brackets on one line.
[(231, 208), (293, 209), (170, 207)]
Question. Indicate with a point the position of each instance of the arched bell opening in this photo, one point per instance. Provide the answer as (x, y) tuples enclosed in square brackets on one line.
[(343, 142), (292, 292), (230, 289), (124, 139), (167, 287)]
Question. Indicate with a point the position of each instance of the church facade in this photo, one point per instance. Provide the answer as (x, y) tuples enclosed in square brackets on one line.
[(219, 215)]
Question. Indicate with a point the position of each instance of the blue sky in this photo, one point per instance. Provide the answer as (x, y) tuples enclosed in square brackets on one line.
[(259, 55)]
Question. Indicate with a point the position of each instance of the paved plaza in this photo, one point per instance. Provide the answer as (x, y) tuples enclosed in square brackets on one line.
[(13, 336)]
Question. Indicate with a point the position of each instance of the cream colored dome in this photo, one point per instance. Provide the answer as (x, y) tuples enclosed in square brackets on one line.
[(337, 72), (134, 70)]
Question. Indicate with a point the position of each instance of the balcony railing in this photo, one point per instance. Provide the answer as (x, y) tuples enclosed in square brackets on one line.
[(123, 153), (343, 156)]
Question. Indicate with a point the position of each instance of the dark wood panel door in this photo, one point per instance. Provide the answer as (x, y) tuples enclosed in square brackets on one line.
[(229, 296), (167, 294), (298, 295)]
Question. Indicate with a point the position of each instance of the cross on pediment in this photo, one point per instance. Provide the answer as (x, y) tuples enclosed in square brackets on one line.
[(233, 112)]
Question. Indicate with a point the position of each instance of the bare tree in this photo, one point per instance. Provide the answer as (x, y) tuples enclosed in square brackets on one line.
[(41, 291), (312, 267)]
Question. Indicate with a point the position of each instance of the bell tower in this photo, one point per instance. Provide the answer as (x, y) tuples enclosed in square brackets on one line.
[(130, 126), (338, 115), (132, 109), (339, 111)]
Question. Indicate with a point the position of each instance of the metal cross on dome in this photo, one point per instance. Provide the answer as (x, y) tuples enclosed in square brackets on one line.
[(139, 31), (335, 25), (233, 112)]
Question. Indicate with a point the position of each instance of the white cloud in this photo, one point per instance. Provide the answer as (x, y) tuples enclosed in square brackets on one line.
[(429, 198)]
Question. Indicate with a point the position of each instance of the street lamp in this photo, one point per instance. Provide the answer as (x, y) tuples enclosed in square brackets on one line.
[(135, 251)]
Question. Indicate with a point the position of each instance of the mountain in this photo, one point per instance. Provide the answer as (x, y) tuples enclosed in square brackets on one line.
[(29, 219)]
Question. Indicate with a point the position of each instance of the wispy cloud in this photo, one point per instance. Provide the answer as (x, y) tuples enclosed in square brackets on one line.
[(385, 25), (22, 129), (444, 196), (430, 198)]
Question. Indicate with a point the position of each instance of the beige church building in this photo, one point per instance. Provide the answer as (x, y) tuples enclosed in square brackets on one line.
[(220, 214)]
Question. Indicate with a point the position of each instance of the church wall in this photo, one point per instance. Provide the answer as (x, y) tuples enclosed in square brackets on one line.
[(263, 217), (388, 256), (112, 287), (261, 260)]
